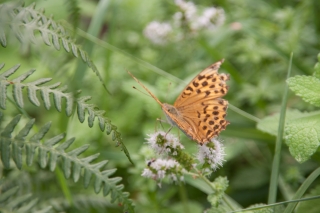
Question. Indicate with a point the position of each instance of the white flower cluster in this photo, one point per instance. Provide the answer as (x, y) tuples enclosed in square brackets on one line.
[(187, 16), (212, 154), (162, 142), (158, 169), (157, 32)]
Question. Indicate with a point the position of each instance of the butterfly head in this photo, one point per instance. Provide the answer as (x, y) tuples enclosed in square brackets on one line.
[(171, 113)]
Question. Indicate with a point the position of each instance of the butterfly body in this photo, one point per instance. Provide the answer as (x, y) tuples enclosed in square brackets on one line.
[(199, 111), (175, 118)]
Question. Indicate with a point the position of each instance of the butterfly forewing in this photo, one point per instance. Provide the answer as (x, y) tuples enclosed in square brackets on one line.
[(208, 84)]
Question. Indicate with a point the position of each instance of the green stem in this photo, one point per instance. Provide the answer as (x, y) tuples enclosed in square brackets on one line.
[(225, 198), (243, 113), (276, 160)]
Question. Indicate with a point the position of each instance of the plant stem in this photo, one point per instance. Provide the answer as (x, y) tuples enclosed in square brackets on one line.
[(276, 160)]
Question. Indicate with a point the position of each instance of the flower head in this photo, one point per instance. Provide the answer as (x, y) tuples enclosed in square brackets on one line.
[(211, 154), (158, 169), (157, 32), (162, 142)]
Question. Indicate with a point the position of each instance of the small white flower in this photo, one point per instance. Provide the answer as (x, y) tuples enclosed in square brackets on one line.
[(211, 153), (160, 168), (189, 9), (157, 32), (164, 142), (211, 18)]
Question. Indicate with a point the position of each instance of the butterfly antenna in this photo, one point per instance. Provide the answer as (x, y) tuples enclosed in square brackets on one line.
[(168, 89), (141, 91), (152, 95)]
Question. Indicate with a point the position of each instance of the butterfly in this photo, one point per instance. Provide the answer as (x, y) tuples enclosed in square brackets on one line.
[(199, 111)]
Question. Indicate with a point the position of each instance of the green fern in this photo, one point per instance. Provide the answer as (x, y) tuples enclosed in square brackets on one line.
[(23, 203), (51, 150), (58, 95), (24, 22)]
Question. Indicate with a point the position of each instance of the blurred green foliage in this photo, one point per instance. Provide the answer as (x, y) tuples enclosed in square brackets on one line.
[(256, 40)]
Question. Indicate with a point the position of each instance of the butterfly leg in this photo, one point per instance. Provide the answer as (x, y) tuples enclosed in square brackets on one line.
[(168, 131), (161, 121)]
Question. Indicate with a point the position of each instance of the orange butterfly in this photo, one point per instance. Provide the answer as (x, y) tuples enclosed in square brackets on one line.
[(199, 111)]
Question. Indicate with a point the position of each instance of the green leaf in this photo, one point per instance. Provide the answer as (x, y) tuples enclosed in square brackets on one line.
[(270, 124), (219, 185), (302, 136), (307, 87), (317, 68)]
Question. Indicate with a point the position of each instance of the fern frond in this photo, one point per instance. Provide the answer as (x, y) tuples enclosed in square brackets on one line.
[(49, 153), (58, 95), (80, 203), (26, 21), (23, 203)]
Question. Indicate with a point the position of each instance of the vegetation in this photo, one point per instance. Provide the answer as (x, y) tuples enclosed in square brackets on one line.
[(63, 62)]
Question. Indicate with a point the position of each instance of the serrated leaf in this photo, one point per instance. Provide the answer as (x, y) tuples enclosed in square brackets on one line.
[(81, 112), (5, 195), (3, 94), (53, 161), (91, 118), (56, 139), (87, 177), (55, 41), (32, 95), (97, 184), (83, 55), (317, 70), (17, 94), (69, 105), (57, 101), (74, 50), (43, 158), (109, 172), (101, 122), (66, 167), (27, 207), (30, 150), (76, 171), (17, 153), (108, 129), (5, 151), (42, 132), (9, 72), (79, 150), (307, 87), (66, 144), (106, 189), (45, 37), (90, 158), (10, 127), (3, 40), (302, 136), (270, 124), (65, 44), (45, 94), (19, 200), (100, 164)]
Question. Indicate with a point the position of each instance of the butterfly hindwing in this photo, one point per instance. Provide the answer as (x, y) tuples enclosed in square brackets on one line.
[(207, 117)]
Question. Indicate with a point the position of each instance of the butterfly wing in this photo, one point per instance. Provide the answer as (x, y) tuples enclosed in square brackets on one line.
[(200, 104)]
